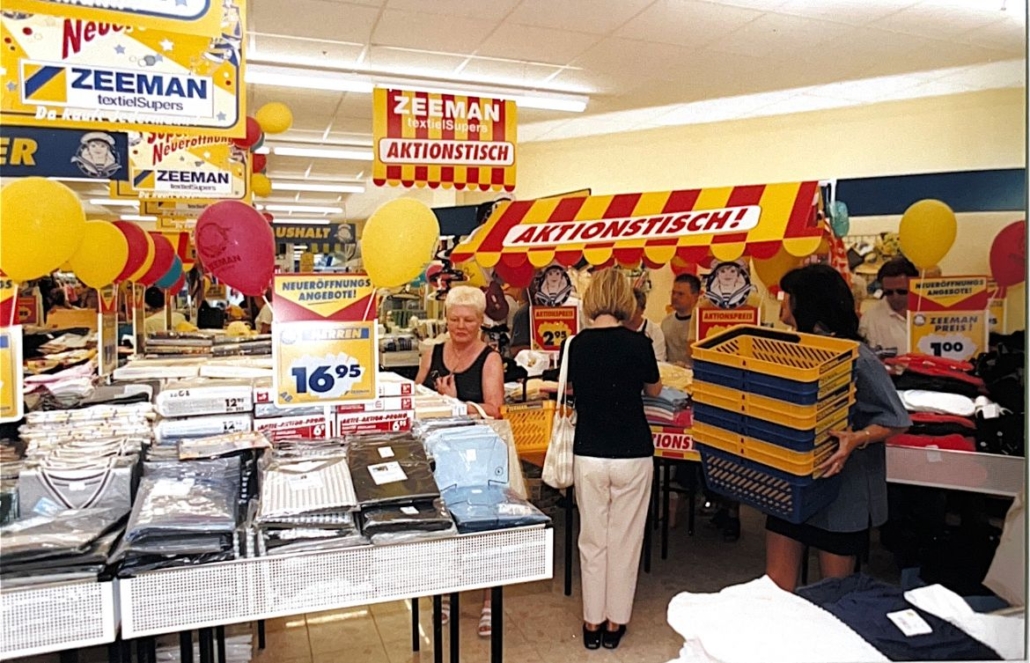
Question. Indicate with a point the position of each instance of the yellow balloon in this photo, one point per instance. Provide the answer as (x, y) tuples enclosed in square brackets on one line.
[(41, 224), (102, 254), (398, 242), (274, 118), (770, 271), (927, 232), (260, 185)]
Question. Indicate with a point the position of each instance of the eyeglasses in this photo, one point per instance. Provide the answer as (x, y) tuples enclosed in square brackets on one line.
[(898, 291)]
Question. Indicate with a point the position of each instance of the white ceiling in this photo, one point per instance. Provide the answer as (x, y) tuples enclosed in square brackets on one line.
[(643, 63)]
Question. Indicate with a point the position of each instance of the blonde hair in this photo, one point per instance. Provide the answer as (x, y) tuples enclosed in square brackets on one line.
[(465, 295), (609, 293)]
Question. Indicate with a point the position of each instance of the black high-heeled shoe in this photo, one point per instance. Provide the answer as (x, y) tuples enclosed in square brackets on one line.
[(592, 639), (611, 639)]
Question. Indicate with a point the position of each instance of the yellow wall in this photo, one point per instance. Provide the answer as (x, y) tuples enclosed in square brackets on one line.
[(981, 130)]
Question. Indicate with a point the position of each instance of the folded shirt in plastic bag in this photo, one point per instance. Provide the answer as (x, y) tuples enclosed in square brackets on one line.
[(422, 516), (221, 445), (198, 396), (108, 483), (172, 430), (394, 472), (61, 534), (478, 509), (469, 460), (304, 487)]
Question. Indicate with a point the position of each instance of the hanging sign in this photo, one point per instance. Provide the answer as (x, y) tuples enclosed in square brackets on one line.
[(329, 238), (72, 72), (175, 214), (324, 347), (216, 292), (12, 402), (185, 167), (674, 443), (997, 308), (107, 329), (948, 317), (31, 151), (8, 301), (551, 325), (197, 17), (711, 321), (423, 138), (30, 310)]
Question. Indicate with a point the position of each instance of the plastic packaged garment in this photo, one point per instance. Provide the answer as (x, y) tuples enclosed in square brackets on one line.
[(397, 472), (424, 427), (466, 460), (312, 545), (393, 538), (65, 533), (221, 445), (198, 396), (102, 483), (422, 516), (173, 430), (483, 508), (291, 487)]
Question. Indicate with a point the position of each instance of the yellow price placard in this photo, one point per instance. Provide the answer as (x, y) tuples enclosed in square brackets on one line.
[(12, 405), (552, 325), (324, 362), (948, 317)]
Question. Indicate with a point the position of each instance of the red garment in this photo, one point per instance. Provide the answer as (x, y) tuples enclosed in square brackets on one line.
[(949, 442), (931, 418), (937, 367)]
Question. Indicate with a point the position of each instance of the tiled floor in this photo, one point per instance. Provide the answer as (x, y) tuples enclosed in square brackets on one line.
[(541, 625)]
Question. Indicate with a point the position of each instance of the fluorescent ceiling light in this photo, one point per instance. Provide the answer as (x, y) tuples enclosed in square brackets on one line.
[(91, 180), (307, 79), (311, 209), (322, 188), (353, 154), (264, 149), (113, 202), (137, 217), (311, 222)]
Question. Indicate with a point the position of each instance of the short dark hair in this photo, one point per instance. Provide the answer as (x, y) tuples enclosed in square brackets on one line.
[(154, 298), (897, 267), (691, 280), (641, 298), (820, 297)]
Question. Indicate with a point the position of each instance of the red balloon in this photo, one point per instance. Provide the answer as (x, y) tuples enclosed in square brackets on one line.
[(260, 162), (177, 286), (237, 246), (138, 248), (164, 258), (253, 134), (268, 216), (1008, 255)]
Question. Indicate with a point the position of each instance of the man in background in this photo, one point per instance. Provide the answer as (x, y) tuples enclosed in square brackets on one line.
[(639, 323), (885, 325), (154, 298), (679, 326)]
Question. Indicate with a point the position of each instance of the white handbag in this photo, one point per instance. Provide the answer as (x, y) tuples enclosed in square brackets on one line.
[(559, 459)]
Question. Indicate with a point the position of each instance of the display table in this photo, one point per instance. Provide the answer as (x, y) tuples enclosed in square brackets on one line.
[(201, 597), (990, 474), (38, 620)]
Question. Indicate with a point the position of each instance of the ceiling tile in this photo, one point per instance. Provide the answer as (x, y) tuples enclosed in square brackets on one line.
[(492, 10), (577, 15), (434, 32), (937, 19), (524, 42), (686, 23), (1008, 36), (356, 106), (272, 49), (412, 63), (335, 21), (615, 63), (778, 34), (506, 72), (844, 11)]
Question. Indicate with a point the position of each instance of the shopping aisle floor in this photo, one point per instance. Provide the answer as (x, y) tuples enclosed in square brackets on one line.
[(541, 625)]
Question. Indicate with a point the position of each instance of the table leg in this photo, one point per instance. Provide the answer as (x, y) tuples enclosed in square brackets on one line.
[(220, 641), (261, 634), (570, 514), (186, 646), (437, 629), (152, 649), (804, 567), (114, 651), (455, 634), (415, 638), (207, 649), (141, 650), (666, 489), (497, 625), (69, 656), (655, 492)]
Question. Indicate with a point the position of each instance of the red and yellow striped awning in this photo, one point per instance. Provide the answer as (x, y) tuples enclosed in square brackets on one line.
[(653, 228)]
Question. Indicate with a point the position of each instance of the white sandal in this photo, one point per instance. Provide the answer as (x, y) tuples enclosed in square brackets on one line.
[(486, 623)]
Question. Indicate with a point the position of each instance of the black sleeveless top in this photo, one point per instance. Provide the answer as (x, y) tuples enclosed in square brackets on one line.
[(469, 383)]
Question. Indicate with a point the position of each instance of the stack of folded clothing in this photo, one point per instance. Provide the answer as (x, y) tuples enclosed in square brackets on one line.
[(178, 344), (159, 369), (942, 397), (184, 513), (394, 484), (670, 409), (242, 346), (676, 377), (59, 546), (201, 407), (473, 474), (307, 499), (10, 466)]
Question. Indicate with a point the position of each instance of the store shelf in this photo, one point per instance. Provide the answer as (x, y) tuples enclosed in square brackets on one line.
[(990, 474), (56, 617), (268, 587), (392, 359)]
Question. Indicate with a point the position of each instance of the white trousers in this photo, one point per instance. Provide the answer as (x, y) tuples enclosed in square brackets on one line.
[(613, 495)]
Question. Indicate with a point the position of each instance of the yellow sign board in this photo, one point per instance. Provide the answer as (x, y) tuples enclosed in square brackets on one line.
[(187, 167), (197, 17), (948, 317), (324, 346), (107, 329), (12, 403), (69, 71)]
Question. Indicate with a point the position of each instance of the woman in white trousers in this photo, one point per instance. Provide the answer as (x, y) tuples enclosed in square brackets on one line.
[(609, 367)]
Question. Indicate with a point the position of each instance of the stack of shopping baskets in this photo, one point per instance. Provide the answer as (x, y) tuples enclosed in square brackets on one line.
[(765, 402)]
